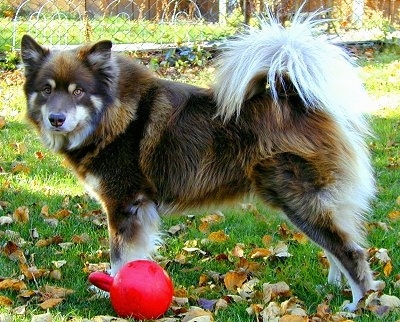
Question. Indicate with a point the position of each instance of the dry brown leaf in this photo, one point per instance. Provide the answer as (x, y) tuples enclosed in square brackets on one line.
[(19, 167), (260, 253), (300, 238), (267, 240), (196, 314), (387, 269), (271, 312), (254, 309), (12, 284), (394, 215), (33, 272), (174, 230), (238, 251), (21, 214), (5, 317), (5, 301), (96, 267), (2, 122), (50, 303), (55, 274), (49, 241), (234, 280), (106, 318), (271, 291), (46, 317), (214, 218), (80, 239), (5, 220), (204, 227), (39, 155), (218, 236), (57, 292), (293, 318), (13, 252)]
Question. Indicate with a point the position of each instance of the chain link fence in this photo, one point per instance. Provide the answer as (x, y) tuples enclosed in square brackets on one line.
[(156, 24)]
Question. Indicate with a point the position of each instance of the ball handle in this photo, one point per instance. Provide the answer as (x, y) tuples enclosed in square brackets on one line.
[(101, 280)]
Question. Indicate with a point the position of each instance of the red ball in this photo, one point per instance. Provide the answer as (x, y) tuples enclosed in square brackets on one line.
[(141, 289)]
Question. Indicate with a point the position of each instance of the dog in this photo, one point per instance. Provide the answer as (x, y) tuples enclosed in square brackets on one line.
[(283, 121)]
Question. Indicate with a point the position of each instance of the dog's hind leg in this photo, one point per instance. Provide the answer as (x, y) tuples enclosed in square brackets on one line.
[(312, 202), (134, 232)]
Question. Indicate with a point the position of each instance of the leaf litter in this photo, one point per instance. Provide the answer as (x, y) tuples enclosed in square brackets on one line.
[(240, 284)]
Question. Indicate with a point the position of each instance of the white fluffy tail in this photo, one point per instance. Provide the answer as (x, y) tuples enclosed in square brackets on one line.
[(322, 73)]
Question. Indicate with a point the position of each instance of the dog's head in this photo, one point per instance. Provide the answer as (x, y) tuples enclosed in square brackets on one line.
[(67, 91)]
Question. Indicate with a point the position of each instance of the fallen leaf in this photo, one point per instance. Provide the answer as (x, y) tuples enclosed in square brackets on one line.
[(2, 122), (5, 220), (207, 304), (233, 280), (260, 253), (218, 236), (174, 230), (293, 318), (300, 238), (390, 301), (394, 215), (5, 317), (59, 263), (33, 272), (267, 240), (214, 218), (271, 291), (50, 303), (5, 301), (57, 292), (46, 317), (19, 167), (238, 250), (21, 214), (196, 314), (387, 269), (12, 284), (254, 309)]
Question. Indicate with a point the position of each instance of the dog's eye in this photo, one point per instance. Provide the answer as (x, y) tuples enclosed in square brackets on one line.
[(77, 91), (46, 90)]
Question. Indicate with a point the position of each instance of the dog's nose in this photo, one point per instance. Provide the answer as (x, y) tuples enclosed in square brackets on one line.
[(57, 119)]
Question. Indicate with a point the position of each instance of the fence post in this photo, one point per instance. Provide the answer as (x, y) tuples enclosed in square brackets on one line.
[(358, 12), (222, 12)]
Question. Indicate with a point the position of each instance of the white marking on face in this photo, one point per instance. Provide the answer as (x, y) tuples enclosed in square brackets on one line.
[(71, 88), (32, 98), (97, 102), (52, 83)]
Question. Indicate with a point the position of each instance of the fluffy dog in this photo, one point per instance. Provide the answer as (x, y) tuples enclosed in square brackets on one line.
[(282, 122)]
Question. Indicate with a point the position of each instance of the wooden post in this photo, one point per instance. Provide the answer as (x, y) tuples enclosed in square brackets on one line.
[(222, 11)]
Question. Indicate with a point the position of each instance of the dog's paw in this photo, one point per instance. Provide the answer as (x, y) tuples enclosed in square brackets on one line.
[(350, 307)]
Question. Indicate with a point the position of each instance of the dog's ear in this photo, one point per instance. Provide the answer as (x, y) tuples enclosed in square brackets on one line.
[(97, 54), (99, 59), (32, 54)]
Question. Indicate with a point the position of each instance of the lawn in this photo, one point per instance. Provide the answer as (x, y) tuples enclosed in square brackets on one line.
[(230, 264)]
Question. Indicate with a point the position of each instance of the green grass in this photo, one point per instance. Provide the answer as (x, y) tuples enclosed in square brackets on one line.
[(46, 181)]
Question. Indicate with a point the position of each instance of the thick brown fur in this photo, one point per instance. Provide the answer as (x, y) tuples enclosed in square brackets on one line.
[(152, 145)]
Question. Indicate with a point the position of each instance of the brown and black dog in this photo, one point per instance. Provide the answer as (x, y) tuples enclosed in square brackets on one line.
[(282, 122)]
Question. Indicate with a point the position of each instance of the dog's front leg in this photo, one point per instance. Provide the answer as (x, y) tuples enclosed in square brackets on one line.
[(133, 230)]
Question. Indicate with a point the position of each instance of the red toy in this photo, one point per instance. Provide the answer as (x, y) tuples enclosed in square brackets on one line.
[(141, 289)]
